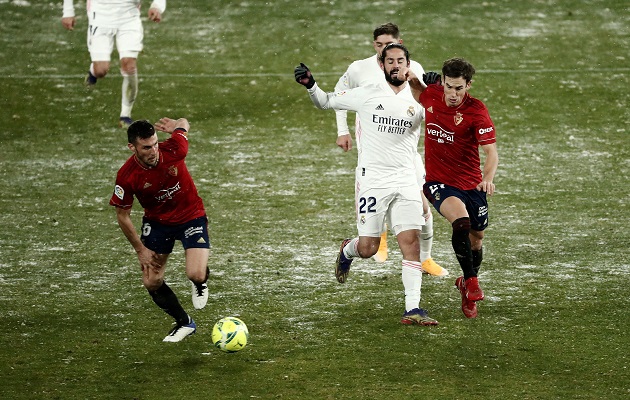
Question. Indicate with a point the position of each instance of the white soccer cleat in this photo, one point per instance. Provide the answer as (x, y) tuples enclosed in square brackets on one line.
[(180, 332), (199, 295)]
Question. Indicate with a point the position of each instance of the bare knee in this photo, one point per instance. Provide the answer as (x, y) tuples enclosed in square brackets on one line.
[(197, 276), (476, 240), (128, 65), (152, 283), (409, 243), (368, 248), (101, 68)]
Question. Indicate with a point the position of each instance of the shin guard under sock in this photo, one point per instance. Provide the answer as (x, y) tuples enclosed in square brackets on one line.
[(461, 245), (166, 299), (477, 258)]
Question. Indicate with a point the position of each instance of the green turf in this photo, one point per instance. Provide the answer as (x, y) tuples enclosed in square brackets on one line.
[(77, 324)]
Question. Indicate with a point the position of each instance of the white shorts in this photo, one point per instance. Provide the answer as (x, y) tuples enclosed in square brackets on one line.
[(400, 208), (128, 37)]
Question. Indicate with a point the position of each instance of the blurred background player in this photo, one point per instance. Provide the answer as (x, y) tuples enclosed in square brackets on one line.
[(387, 190), (109, 22), (365, 72), (457, 124), (156, 175)]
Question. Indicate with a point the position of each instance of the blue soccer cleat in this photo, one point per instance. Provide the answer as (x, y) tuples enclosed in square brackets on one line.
[(342, 266), (124, 122), (90, 80), (417, 316)]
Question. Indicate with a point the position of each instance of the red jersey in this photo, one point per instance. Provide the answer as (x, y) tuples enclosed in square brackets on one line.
[(166, 191), (452, 138)]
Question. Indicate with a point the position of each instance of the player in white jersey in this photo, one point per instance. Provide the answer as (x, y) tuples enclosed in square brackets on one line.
[(387, 190), (109, 22), (365, 72)]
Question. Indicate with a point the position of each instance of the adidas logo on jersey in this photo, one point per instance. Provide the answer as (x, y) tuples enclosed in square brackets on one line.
[(380, 107)]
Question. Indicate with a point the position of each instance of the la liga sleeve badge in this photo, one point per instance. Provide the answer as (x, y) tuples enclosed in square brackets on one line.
[(119, 192)]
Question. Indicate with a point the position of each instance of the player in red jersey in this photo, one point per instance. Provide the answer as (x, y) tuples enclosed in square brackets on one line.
[(157, 176), (456, 126)]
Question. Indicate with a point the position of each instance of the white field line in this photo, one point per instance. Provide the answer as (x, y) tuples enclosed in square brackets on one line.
[(288, 74)]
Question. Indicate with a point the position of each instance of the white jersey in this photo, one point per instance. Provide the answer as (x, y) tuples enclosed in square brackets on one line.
[(389, 130), (361, 73), (110, 12)]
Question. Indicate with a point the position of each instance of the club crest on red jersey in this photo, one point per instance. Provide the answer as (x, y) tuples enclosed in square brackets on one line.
[(458, 118), (172, 170)]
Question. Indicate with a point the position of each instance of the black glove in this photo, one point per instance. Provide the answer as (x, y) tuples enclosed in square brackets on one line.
[(431, 77), (303, 76)]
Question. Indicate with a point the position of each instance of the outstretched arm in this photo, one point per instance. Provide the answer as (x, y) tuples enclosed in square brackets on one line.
[(304, 77), (169, 125), (416, 84)]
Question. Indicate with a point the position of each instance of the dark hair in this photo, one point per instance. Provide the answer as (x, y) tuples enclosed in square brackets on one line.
[(393, 46), (387, 29), (458, 67), (141, 129)]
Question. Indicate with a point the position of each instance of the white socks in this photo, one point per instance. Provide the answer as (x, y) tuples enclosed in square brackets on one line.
[(350, 251), (426, 237), (412, 282), (129, 92)]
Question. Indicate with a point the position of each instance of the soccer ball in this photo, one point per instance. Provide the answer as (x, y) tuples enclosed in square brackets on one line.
[(230, 334)]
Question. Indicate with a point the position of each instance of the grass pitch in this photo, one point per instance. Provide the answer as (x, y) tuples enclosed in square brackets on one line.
[(77, 323)]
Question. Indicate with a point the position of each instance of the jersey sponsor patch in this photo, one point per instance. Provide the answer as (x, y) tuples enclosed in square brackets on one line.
[(165, 194), (439, 134), (119, 192)]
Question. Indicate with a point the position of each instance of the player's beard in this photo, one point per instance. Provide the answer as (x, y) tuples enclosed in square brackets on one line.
[(150, 160), (392, 78)]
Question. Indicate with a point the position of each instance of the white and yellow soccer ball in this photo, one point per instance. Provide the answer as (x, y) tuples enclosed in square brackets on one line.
[(230, 334)]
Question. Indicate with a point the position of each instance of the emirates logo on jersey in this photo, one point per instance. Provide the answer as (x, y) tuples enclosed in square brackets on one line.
[(458, 118), (411, 111), (172, 170)]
